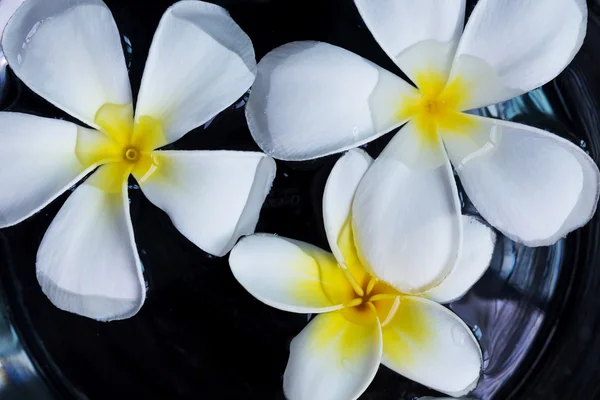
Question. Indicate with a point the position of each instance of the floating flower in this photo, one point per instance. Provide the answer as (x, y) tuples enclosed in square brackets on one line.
[(311, 99), (69, 52), (362, 319)]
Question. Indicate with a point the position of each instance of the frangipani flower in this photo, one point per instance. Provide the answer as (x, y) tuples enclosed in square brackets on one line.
[(362, 320), (311, 99), (69, 52)]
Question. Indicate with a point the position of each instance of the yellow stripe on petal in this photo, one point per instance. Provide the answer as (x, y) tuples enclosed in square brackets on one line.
[(332, 278), (290, 275), (347, 331), (116, 120), (363, 314), (147, 166), (431, 83), (110, 177), (94, 147), (352, 259), (333, 358), (407, 328), (429, 344), (148, 134), (426, 126)]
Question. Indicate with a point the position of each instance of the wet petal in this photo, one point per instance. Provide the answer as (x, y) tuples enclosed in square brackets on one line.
[(199, 64), (69, 52), (420, 36), (511, 47), (87, 262), (333, 359), (311, 99), (406, 213), (339, 194), (38, 162), (533, 186), (474, 259), (289, 275), (427, 343), (212, 197)]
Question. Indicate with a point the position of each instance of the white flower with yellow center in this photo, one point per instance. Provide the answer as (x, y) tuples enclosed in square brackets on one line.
[(69, 52), (363, 320), (311, 99)]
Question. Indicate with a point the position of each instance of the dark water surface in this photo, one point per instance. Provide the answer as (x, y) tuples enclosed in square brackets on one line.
[(200, 335)]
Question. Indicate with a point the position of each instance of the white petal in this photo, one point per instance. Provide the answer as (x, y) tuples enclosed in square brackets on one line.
[(420, 36), (407, 214), (473, 260), (533, 186), (511, 47), (37, 163), (339, 194), (69, 52), (427, 343), (212, 197), (311, 99), (289, 275), (200, 63), (332, 359), (7, 9), (87, 263)]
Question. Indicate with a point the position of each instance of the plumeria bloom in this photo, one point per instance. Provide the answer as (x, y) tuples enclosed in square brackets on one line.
[(363, 321), (69, 52), (312, 99)]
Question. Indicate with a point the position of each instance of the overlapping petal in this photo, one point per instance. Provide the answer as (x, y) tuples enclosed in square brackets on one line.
[(407, 221), (37, 163), (87, 262), (420, 36), (474, 259), (200, 63), (511, 47), (312, 99), (69, 52), (289, 275), (533, 186), (339, 194), (333, 358), (427, 343), (212, 197)]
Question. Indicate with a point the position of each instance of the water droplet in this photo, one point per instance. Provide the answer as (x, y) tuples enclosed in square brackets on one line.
[(458, 335), (19, 59), (31, 33), (477, 332), (345, 363), (355, 132)]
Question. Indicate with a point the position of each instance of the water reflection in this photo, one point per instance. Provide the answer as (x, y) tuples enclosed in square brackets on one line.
[(507, 309)]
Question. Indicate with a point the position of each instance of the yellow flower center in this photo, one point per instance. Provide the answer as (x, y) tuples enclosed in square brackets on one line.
[(369, 293), (438, 107), (132, 155), (125, 144), (366, 301)]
